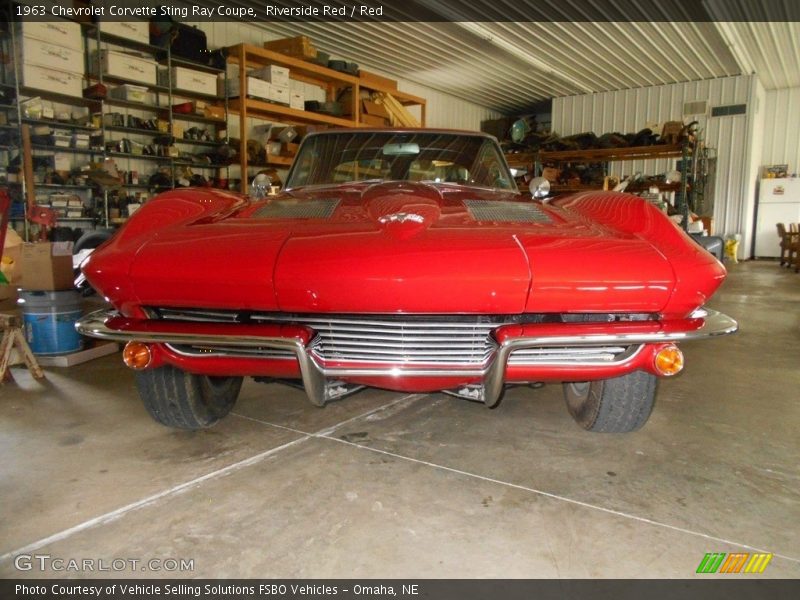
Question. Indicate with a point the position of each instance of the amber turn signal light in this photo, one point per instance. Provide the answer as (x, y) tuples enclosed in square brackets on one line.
[(137, 355), (669, 361)]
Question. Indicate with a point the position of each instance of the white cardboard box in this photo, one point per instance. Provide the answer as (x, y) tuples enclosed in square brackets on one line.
[(273, 74), (52, 56), (191, 80), (280, 94), (70, 84), (297, 101), (61, 33), (125, 66), (256, 88), (138, 31)]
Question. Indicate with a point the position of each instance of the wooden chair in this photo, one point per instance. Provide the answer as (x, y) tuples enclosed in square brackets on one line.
[(794, 245), (790, 243)]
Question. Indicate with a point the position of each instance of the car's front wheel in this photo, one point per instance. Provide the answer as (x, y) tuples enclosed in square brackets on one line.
[(184, 400), (615, 405)]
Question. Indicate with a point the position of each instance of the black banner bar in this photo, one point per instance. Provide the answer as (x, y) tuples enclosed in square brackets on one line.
[(265, 11), (733, 588)]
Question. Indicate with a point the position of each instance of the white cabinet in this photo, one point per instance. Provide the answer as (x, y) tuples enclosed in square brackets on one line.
[(778, 202)]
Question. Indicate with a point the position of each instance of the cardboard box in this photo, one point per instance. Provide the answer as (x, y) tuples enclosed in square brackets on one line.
[(190, 79), (47, 54), (47, 266), (11, 256), (214, 112), (273, 74), (8, 297), (256, 88), (69, 84), (374, 121), (297, 101), (124, 66), (138, 31), (59, 32), (299, 47), (368, 79), (280, 94), (289, 149), (374, 109)]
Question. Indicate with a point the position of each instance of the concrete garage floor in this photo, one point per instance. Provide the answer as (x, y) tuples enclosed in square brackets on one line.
[(392, 485)]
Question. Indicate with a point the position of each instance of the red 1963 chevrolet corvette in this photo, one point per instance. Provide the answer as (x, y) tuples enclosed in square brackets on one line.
[(405, 260)]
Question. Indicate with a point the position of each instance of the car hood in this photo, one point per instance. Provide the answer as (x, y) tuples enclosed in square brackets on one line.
[(401, 247)]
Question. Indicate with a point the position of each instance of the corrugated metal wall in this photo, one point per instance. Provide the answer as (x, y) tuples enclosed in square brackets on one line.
[(631, 110), (782, 128)]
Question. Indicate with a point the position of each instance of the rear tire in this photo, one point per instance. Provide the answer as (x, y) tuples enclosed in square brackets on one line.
[(184, 400), (616, 405)]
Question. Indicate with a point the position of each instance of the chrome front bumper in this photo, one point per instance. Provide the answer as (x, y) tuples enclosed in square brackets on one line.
[(319, 380)]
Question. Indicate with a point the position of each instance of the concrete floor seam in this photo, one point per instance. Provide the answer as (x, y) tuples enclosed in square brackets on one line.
[(332, 428), (120, 512), (557, 497)]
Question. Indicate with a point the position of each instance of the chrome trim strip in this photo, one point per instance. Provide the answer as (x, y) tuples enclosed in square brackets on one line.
[(315, 376)]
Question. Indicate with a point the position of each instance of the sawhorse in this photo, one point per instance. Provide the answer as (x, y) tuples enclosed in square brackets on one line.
[(11, 326)]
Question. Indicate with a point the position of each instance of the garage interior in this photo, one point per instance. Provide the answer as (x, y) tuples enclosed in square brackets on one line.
[(391, 485)]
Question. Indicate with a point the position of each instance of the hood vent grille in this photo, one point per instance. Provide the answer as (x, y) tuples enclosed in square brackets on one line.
[(513, 212), (298, 209)]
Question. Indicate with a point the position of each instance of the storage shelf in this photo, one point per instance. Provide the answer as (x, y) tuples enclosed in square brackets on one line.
[(43, 148), (56, 97), (61, 124), (272, 161), (197, 118), (333, 82), (131, 104), (181, 93), (267, 110), (300, 69), (198, 142), (125, 81), (162, 100), (136, 130), (139, 156), (200, 165), (189, 64), (56, 186), (610, 154)]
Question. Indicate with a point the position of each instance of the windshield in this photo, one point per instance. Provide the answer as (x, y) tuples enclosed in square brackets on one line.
[(433, 157)]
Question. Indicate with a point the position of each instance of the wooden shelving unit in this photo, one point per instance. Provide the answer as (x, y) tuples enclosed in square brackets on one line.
[(533, 161), (248, 57)]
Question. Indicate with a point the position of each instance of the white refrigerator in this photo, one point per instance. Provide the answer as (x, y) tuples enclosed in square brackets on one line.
[(778, 202)]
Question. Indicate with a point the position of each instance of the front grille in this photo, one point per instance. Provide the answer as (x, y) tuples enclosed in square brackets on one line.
[(446, 341), (237, 351), (590, 355), (390, 341)]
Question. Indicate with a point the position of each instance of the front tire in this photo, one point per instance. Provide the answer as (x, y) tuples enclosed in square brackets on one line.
[(616, 405), (184, 400)]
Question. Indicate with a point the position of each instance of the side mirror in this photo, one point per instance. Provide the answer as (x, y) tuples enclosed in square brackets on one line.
[(539, 187)]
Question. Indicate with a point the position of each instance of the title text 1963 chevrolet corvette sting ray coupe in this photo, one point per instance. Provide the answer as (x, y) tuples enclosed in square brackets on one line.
[(406, 260)]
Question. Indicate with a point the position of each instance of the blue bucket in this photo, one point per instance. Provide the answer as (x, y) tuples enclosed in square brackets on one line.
[(49, 319)]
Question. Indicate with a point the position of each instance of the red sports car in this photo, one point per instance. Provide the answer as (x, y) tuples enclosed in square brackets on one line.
[(405, 260)]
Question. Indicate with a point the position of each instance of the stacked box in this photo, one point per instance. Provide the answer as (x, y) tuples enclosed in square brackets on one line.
[(52, 56)]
